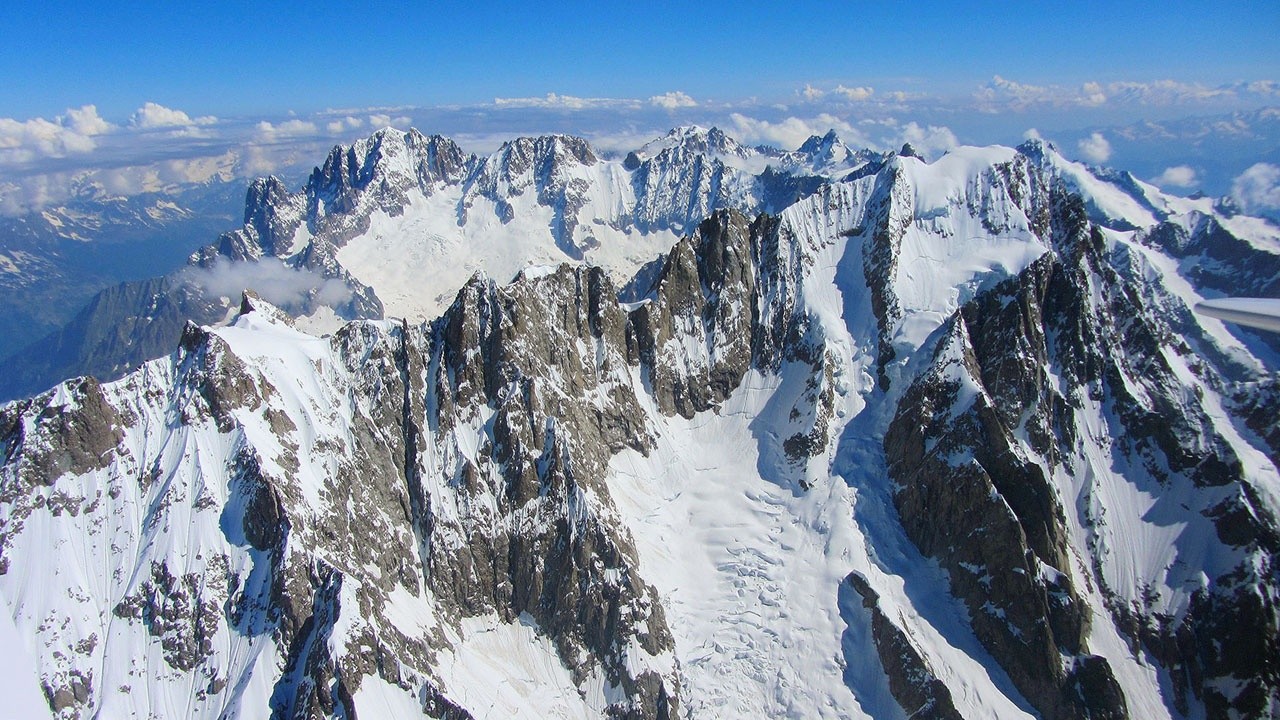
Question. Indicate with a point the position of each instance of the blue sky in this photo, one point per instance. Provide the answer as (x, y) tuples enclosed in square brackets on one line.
[(151, 95), (247, 58)]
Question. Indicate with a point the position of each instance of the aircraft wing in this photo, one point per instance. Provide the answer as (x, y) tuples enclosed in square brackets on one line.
[(1263, 313)]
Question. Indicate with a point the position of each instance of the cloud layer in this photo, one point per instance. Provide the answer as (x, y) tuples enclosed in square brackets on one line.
[(70, 134), (1001, 94), (48, 160)]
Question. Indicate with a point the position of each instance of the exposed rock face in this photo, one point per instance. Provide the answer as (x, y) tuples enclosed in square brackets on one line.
[(971, 497), (377, 174), (978, 436), (118, 330), (271, 218), (706, 290), (511, 529), (1217, 259), (528, 352), (911, 680)]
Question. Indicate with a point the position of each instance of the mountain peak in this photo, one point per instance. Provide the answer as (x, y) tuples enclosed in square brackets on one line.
[(816, 144), (541, 148), (825, 151), (251, 303), (696, 139)]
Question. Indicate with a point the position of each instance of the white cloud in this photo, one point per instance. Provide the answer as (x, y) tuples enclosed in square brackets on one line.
[(1264, 88), (153, 115), (1000, 93), (86, 121), (1183, 176), (379, 121), (888, 134), (1258, 188), (1095, 148), (31, 192), (256, 161), (1014, 90), (26, 140), (343, 124), (274, 281), (166, 175), (1092, 94), (273, 132), (854, 94), (673, 100), (849, 94), (790, 133), (566, 102), (35, 192), (930, 140)]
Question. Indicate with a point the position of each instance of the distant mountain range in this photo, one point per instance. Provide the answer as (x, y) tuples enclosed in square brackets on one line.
[(53, 261)]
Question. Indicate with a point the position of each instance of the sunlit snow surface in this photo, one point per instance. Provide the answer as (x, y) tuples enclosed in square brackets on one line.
[(417, 261), (751, 572), (19, 684)]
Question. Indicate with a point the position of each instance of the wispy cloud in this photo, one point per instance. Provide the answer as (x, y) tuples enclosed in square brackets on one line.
[(381, 120), (858, 93), (46, 160), (274, 132), (887, 134), (566, 102), (931, 140), (275, 282), (1001, 94), (790, 132), (344, 124)]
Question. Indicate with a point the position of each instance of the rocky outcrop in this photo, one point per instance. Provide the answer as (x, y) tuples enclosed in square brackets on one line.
[(550, 167), (377, 174), (271, 218), (978, 436), (706, 291), (527, 353), (911, 680)]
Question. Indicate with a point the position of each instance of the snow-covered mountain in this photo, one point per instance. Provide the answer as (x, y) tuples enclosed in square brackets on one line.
[(936, 439), (416, 216)]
